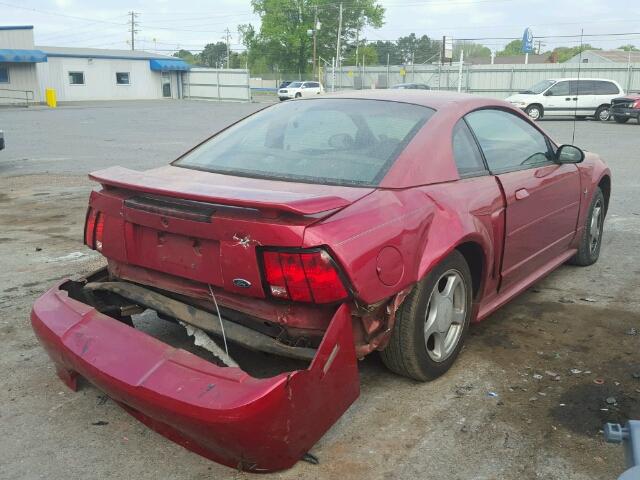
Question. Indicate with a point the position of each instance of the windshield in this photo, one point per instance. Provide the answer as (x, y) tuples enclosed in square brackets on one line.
[(540, 86), (294, 84), (324, 141)]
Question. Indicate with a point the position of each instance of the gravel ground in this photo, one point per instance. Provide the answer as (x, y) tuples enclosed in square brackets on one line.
[(542, 423)]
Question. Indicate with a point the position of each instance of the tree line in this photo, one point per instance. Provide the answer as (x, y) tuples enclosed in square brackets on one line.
[(285, 40)]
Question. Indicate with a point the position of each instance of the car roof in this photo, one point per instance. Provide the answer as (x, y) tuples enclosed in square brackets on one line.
[(427, 98), (581, 78)]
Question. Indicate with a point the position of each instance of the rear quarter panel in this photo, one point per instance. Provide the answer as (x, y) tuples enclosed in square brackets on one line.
[(392, 238)]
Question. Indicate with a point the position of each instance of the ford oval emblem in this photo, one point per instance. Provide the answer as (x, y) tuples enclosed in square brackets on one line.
[(241, 283)]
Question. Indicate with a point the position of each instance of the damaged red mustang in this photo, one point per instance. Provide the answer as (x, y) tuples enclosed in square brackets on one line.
[(319, 229)]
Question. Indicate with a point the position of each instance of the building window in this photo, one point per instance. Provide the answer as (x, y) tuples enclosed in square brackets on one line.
[(4, 74), (76, 78), (122, 78)]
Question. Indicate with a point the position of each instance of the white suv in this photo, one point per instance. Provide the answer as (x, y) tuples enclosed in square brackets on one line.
[(584, 97), (300, 89)]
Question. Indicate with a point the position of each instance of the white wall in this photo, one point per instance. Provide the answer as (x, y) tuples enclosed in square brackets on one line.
[(17, 39), (100, 79), (22, 76)]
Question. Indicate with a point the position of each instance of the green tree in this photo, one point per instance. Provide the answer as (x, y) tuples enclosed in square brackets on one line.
[(562, 54), (471, 50), (628, 48), (187, 56), (384, 48), (418, 49), (214, 55), (284, 39), (512, 48), (369, 53)]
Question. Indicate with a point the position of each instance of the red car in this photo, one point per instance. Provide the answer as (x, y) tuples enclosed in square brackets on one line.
[(625, 108), (320, 229)]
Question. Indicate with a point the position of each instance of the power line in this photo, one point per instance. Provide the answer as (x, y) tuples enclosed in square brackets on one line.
[(43, 12)]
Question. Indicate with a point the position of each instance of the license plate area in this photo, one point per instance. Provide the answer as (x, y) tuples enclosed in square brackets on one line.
[(186, 256)]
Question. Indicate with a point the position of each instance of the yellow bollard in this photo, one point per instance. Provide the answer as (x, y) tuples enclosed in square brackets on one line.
[(50, 97)]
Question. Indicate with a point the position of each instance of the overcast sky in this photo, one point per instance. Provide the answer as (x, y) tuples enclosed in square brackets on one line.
[(190, 24)]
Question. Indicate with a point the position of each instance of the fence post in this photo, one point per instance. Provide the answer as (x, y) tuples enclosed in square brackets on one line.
[(467, 88), (629, 76), (218, 83), (511, 80)]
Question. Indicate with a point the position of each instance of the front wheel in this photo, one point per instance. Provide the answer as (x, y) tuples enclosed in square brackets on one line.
[(534, 112), (603, 114), (298, 95), (591, 240), (621, 119), (432, 323)]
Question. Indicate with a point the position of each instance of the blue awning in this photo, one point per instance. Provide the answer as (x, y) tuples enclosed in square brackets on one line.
[(169, 65), (22, 56)]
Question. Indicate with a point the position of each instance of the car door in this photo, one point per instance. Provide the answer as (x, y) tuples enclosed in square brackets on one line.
[(558, 100), (588, 100), (542, 197)]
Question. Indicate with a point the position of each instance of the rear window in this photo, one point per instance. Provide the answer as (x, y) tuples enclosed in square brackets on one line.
[(324, 141)]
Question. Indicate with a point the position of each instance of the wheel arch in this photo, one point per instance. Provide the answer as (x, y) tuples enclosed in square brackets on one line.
[(535, 104), (605, 186), (475, 257)]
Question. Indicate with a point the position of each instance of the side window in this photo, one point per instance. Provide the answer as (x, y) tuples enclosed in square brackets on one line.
[(76, 78), (313, 85), (586, 87), (606, 88), (559, 89), (4, 74), (465, 150), (507, 141)]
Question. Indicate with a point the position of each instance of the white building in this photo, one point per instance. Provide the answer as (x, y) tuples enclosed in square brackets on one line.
[(78, 74), (18, 60)]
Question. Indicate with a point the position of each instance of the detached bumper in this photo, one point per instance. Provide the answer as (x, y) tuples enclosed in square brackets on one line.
[(221, 413)]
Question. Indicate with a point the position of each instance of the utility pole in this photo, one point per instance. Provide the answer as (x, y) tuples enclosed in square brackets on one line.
[(132, 28), (316, 70), (337, 63), (227, 35)]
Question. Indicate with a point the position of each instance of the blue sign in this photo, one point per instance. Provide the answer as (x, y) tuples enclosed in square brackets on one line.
[(527, 41)]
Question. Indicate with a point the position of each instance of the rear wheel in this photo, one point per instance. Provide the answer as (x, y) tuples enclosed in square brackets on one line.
[(603, 114), (591, 240), (432, 323), (534, 112), (621, 119)]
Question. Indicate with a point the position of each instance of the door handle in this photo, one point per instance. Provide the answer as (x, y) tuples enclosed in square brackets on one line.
[(522, 193)]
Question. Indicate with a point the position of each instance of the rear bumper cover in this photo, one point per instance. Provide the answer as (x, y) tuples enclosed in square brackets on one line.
[(221, 413)]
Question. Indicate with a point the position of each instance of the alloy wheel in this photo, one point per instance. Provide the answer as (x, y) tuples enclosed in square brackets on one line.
[(445, 316)]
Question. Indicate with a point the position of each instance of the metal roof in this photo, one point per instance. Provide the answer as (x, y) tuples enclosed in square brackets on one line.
[(621, 56), (102, 53)]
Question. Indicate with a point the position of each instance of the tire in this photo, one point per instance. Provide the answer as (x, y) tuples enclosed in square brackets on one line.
[(535, 112), (410, 352), (620, 119), (591, 240), (602, 113), (298, 95)]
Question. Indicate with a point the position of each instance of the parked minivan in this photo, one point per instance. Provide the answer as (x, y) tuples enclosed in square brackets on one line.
[(584, 97)]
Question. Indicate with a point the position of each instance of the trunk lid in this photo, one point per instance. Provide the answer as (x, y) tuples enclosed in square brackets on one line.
[(206, 227)]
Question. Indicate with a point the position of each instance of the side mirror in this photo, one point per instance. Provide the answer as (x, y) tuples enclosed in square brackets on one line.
[(548, 93), (569, 154)]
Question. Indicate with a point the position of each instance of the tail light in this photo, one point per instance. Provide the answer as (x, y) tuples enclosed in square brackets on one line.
[(303, 276), (94, 229), (636, 104)]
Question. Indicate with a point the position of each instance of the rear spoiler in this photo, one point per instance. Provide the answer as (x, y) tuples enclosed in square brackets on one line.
[(189, 189)]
